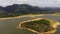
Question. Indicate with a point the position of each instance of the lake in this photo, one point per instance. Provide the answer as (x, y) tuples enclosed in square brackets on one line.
[(9, 26)]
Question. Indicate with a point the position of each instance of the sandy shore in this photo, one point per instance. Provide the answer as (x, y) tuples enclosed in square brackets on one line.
[(32, 16), (53, 31)]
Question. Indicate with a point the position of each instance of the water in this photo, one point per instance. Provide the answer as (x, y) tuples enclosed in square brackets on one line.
[(9, 26)]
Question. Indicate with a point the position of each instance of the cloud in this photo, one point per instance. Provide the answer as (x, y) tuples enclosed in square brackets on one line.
[(41, 3)]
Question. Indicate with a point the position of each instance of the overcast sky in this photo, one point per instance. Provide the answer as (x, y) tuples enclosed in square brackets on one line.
[(41, 3)]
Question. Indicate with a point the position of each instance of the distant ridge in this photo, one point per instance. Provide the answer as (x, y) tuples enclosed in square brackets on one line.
[(19, 9), (29, 8)]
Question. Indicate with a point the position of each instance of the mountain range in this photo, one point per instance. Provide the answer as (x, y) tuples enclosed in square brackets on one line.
[(27, 9)]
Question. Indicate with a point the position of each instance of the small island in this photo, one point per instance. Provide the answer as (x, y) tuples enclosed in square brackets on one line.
[(40, 26)]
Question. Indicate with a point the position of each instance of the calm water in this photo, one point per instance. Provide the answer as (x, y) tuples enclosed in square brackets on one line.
[(9, 26)]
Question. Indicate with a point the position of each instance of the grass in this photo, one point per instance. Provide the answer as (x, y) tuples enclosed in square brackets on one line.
[(38, 25)]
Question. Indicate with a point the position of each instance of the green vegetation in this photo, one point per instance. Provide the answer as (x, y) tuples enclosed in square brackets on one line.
[(3, 13), (39, 25), (57, 13), (23, 9), (43, 21)]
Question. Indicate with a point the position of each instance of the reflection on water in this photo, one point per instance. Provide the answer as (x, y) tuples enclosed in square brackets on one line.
[(9, 27)]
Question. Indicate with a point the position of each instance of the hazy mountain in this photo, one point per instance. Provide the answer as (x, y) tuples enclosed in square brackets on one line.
[(20, 9), (30, 9)]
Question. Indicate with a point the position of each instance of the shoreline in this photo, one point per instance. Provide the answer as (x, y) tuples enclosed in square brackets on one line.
[(19, 17), (53, 31), (32, 16)]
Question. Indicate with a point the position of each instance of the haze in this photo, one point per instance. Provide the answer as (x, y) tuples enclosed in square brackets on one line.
[(40, 3)]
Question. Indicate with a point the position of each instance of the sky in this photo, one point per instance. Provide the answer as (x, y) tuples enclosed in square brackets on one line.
[(40, 3)]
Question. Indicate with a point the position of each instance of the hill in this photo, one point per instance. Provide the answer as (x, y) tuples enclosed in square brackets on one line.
[(21, 9)]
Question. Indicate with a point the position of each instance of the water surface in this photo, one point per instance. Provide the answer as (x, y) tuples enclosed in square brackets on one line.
[(9, 26)]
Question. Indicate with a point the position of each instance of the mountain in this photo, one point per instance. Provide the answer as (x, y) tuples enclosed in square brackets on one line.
[(11, 8), (25, 8), (20, 9)]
